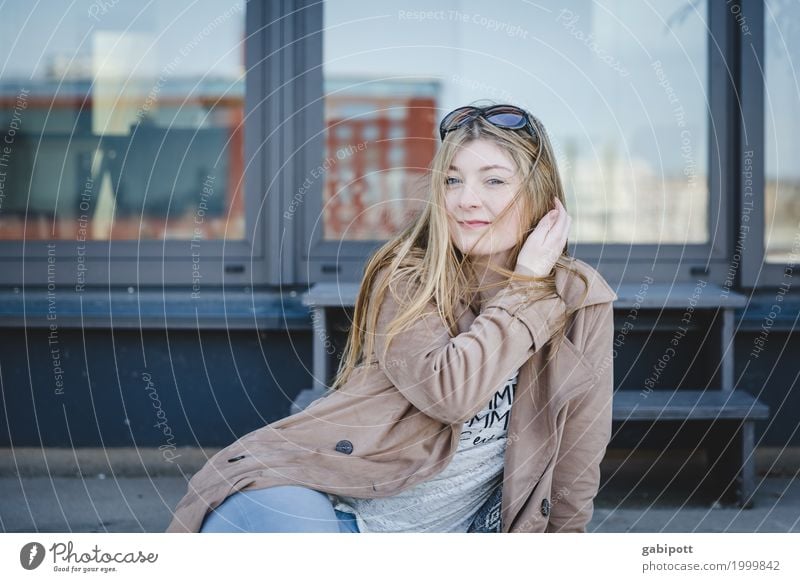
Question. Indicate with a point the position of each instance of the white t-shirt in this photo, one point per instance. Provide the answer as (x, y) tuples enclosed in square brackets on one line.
[(448, 501)]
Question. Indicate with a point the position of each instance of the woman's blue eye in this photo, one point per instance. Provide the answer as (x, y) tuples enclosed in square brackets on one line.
[(450, 180)]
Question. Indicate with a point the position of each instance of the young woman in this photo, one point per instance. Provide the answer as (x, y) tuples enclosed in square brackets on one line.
[(474, 392)]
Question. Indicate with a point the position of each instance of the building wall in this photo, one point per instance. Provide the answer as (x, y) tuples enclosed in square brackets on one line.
[(207, 388)]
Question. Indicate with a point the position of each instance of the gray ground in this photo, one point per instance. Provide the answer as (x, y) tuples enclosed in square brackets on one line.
[(134, 493)]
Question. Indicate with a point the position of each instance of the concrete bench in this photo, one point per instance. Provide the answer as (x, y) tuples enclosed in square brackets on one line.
[(730, 414)]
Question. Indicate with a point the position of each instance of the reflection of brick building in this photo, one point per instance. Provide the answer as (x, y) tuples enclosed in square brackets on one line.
[(378, 149), (152, 170)]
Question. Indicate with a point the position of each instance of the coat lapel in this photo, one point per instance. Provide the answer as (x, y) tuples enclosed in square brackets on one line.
[(570, 287), (543, 390)]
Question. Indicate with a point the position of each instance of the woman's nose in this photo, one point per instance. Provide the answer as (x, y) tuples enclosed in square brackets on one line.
[(470, 197)]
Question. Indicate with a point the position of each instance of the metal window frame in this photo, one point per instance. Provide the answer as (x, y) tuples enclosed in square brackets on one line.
[(153, 263), (756, 273), (284, 136), (327, 261)]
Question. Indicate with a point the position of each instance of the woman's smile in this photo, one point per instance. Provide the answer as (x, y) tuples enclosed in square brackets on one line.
[(474, 224)]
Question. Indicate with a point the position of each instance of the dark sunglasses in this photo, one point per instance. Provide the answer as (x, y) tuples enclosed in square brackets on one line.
[(504, 116)]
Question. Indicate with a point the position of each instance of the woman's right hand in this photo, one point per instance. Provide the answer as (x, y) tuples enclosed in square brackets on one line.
[(545, 244)]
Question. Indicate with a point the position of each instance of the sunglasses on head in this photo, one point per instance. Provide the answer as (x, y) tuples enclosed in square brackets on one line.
[(503, 116)]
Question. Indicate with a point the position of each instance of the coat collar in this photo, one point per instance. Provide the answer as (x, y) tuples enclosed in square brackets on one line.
[(570, 287)]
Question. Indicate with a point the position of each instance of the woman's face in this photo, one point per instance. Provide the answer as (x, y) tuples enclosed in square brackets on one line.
[(480, 183)]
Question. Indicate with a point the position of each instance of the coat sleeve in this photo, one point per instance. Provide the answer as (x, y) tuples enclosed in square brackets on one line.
[(587, 431), (451, 378)]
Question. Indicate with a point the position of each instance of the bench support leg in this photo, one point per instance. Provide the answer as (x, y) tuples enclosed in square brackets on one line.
[(748, 486), (731, 463)]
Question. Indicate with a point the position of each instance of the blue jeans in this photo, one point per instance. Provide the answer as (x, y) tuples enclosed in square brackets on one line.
[(282, 508), (293, 508)]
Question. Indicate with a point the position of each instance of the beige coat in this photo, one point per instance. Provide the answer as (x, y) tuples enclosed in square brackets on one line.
[(397, 421)]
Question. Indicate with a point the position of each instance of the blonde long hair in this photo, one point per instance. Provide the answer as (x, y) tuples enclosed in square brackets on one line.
[(424, 254)]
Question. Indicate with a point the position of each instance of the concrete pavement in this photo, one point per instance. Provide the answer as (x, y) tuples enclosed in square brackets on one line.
[(134, 490)]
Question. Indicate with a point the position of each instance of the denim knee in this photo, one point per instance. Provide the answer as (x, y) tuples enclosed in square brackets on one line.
[(284, 508)]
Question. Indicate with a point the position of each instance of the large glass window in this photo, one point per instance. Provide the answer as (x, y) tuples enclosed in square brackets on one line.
[(782, 131), (621, 87), (120, 120)]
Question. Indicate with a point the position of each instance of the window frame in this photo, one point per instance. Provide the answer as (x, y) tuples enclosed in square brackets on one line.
[(162, 263), (756, 273), (329, 261), (283, 56)]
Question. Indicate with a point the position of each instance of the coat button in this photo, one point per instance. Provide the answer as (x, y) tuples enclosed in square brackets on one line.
[(344, 446), (545, 507), (234, 459)]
